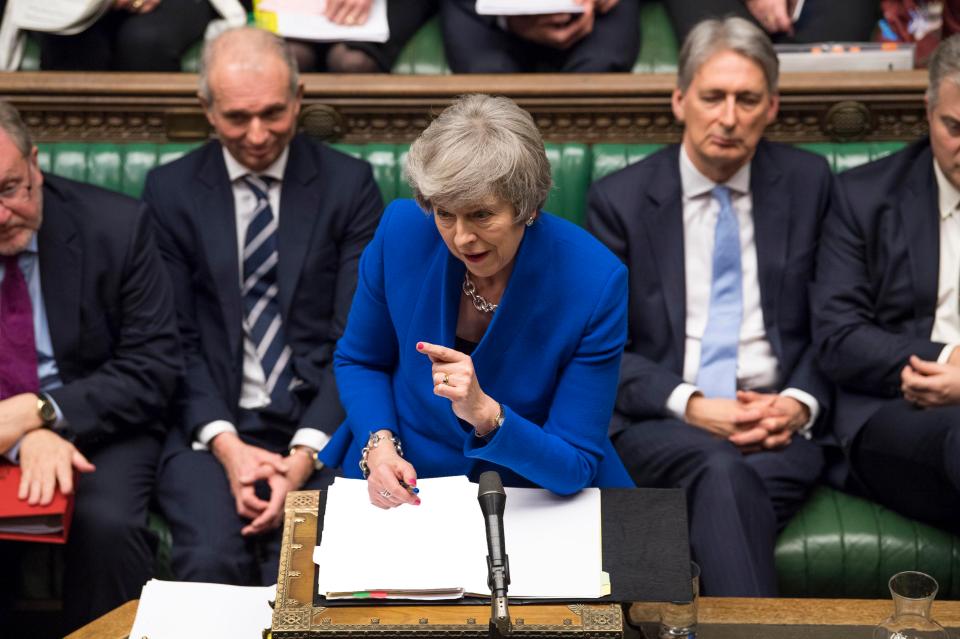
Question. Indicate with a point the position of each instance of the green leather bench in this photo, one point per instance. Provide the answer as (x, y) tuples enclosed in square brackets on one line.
[(837, 546)]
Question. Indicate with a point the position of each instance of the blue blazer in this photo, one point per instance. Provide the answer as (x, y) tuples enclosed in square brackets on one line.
[(550, 356)]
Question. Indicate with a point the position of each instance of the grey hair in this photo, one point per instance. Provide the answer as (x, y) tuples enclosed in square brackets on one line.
[(727, 34), (252, 44), (480, 146), (12, 124), (944, 64)]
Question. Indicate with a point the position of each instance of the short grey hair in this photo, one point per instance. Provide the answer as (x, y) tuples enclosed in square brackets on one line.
[(944, 65), (480, 146), (247, 45), (12, 124), (727, 34)]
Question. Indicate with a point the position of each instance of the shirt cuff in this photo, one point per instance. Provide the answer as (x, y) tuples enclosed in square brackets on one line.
[(311, 438), (946, 353), (207, 432), (61, 422), (13, 455), (810, 402), (677, 402)]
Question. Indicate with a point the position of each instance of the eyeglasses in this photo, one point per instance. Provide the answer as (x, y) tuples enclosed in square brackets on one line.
[(17, 193)]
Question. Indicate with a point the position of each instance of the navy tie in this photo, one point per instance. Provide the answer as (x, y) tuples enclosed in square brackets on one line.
[(717, 376), (262, 322)]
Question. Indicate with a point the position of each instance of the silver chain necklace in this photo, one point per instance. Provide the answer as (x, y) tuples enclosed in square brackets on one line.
[(478, 300)]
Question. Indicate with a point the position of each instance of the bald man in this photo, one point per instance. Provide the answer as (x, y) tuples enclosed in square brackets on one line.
[(261, 232)]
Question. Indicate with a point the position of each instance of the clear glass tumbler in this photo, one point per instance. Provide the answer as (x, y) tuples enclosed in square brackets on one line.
[(913, 595)]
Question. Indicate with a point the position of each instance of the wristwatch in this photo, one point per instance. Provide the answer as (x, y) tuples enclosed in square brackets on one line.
[(306, 450), (46, 410)]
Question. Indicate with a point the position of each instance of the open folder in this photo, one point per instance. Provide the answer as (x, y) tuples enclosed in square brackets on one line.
[(438, 550)]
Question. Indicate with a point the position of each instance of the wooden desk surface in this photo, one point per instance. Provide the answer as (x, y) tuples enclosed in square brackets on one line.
[(713, 610)]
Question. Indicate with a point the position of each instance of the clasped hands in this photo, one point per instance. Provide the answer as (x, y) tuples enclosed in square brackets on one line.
[(928, 384), (559, 30), (245, 465), (752, 422)]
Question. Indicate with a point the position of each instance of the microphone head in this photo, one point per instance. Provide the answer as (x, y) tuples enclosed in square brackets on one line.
[(490, 484)]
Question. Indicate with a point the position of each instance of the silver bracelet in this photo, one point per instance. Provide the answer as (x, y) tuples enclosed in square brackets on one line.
[(373, 442)]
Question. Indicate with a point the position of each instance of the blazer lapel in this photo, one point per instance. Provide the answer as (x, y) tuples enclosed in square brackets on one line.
[(300, 199), (217, 224), (920, 216), (61, 276), (662, 215), (771, 229)]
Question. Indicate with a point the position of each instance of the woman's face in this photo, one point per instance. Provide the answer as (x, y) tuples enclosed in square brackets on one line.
[(484, 237)]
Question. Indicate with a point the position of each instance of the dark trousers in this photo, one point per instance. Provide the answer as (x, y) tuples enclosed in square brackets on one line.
[(124, 41), (908, 459), (476, 44), (194, 495), (736, 503), (820, 20)]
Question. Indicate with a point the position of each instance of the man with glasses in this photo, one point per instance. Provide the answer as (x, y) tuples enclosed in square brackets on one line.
[(89, 358)]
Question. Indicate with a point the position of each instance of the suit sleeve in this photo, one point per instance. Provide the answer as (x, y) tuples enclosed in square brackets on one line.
[(853, 350), (564, 454), (131, 388), (644, 385), (325, 411), (202, 402)]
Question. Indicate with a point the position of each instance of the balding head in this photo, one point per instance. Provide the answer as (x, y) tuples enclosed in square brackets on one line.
[(244, 48)]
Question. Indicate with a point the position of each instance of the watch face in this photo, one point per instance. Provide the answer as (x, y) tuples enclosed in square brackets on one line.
[(47, 412)]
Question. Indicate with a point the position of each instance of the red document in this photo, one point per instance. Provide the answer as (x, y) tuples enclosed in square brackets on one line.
[(20, 521)]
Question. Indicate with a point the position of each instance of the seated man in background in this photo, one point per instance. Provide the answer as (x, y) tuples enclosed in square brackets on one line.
[(605, 37), (887, 322), (89, 359), (718, 388), (261, 232)]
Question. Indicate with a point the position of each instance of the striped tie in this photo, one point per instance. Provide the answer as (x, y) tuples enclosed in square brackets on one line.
[(262, 322)]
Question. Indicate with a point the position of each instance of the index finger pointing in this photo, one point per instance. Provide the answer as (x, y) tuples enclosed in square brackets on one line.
[(438, 353)]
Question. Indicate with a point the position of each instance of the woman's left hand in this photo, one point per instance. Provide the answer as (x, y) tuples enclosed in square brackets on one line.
[(455, 379)]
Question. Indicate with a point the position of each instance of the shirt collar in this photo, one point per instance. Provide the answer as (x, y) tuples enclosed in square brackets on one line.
[(235, 170), (695, 183), (947, 194), (32, 245)]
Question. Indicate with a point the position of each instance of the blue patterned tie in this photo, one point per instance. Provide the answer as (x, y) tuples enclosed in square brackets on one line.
[(717, 376), (262, 322)]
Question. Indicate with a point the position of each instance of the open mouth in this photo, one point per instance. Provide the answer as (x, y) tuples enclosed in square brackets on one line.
[(476, 257)]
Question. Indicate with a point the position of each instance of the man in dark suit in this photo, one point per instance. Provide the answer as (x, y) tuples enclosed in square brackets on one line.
[(89, 358), (887, 323), (718, 390), (261, 232)]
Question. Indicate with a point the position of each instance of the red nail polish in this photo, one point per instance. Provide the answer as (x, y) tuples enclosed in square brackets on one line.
[(416, 503), (413, 482), (419, 346)]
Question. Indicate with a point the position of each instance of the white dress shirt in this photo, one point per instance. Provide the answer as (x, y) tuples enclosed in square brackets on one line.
[(757, 365), (946, 322), (253, 388)]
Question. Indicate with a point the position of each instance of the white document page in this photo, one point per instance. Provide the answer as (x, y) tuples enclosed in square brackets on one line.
[(526, 7), (59, 16), (304, 20), (176, 609)]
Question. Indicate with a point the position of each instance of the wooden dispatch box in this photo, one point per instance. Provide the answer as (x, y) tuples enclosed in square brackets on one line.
[(295, 616)]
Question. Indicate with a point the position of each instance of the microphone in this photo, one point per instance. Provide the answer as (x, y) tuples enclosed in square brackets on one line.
[(492, 500)]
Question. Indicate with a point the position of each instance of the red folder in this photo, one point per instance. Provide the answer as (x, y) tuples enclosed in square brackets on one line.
[(20, 521)]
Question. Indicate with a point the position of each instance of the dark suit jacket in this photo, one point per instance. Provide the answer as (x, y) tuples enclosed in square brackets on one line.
[(878, 272), (638, 213), (329, 209), (109, 310)]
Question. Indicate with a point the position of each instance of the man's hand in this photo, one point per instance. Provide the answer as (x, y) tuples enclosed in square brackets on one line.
[(136, 6), (782, 416), (348, 12), (772, 14), (554, 30), (928, 384), (721, 417), (47, 461), (245, 465), (18, 416), (300, 467), (603, 6)]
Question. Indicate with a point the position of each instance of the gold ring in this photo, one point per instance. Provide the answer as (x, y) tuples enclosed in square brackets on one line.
[(445, 380), (136, 4)]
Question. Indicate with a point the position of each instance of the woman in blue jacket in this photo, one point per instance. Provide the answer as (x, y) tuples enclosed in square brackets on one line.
[(484, 334)]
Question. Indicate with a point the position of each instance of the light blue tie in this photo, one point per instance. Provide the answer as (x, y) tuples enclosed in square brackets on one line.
[(717, 376), (262, 320)]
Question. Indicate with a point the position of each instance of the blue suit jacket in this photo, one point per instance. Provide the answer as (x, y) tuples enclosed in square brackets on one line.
[(878, 271), (638, 213), (551, 356), (329, 207)]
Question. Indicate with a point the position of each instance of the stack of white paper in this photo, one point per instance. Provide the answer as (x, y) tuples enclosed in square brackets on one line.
[(175, 609), (438, 549), (526, 7), (304, 20)]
